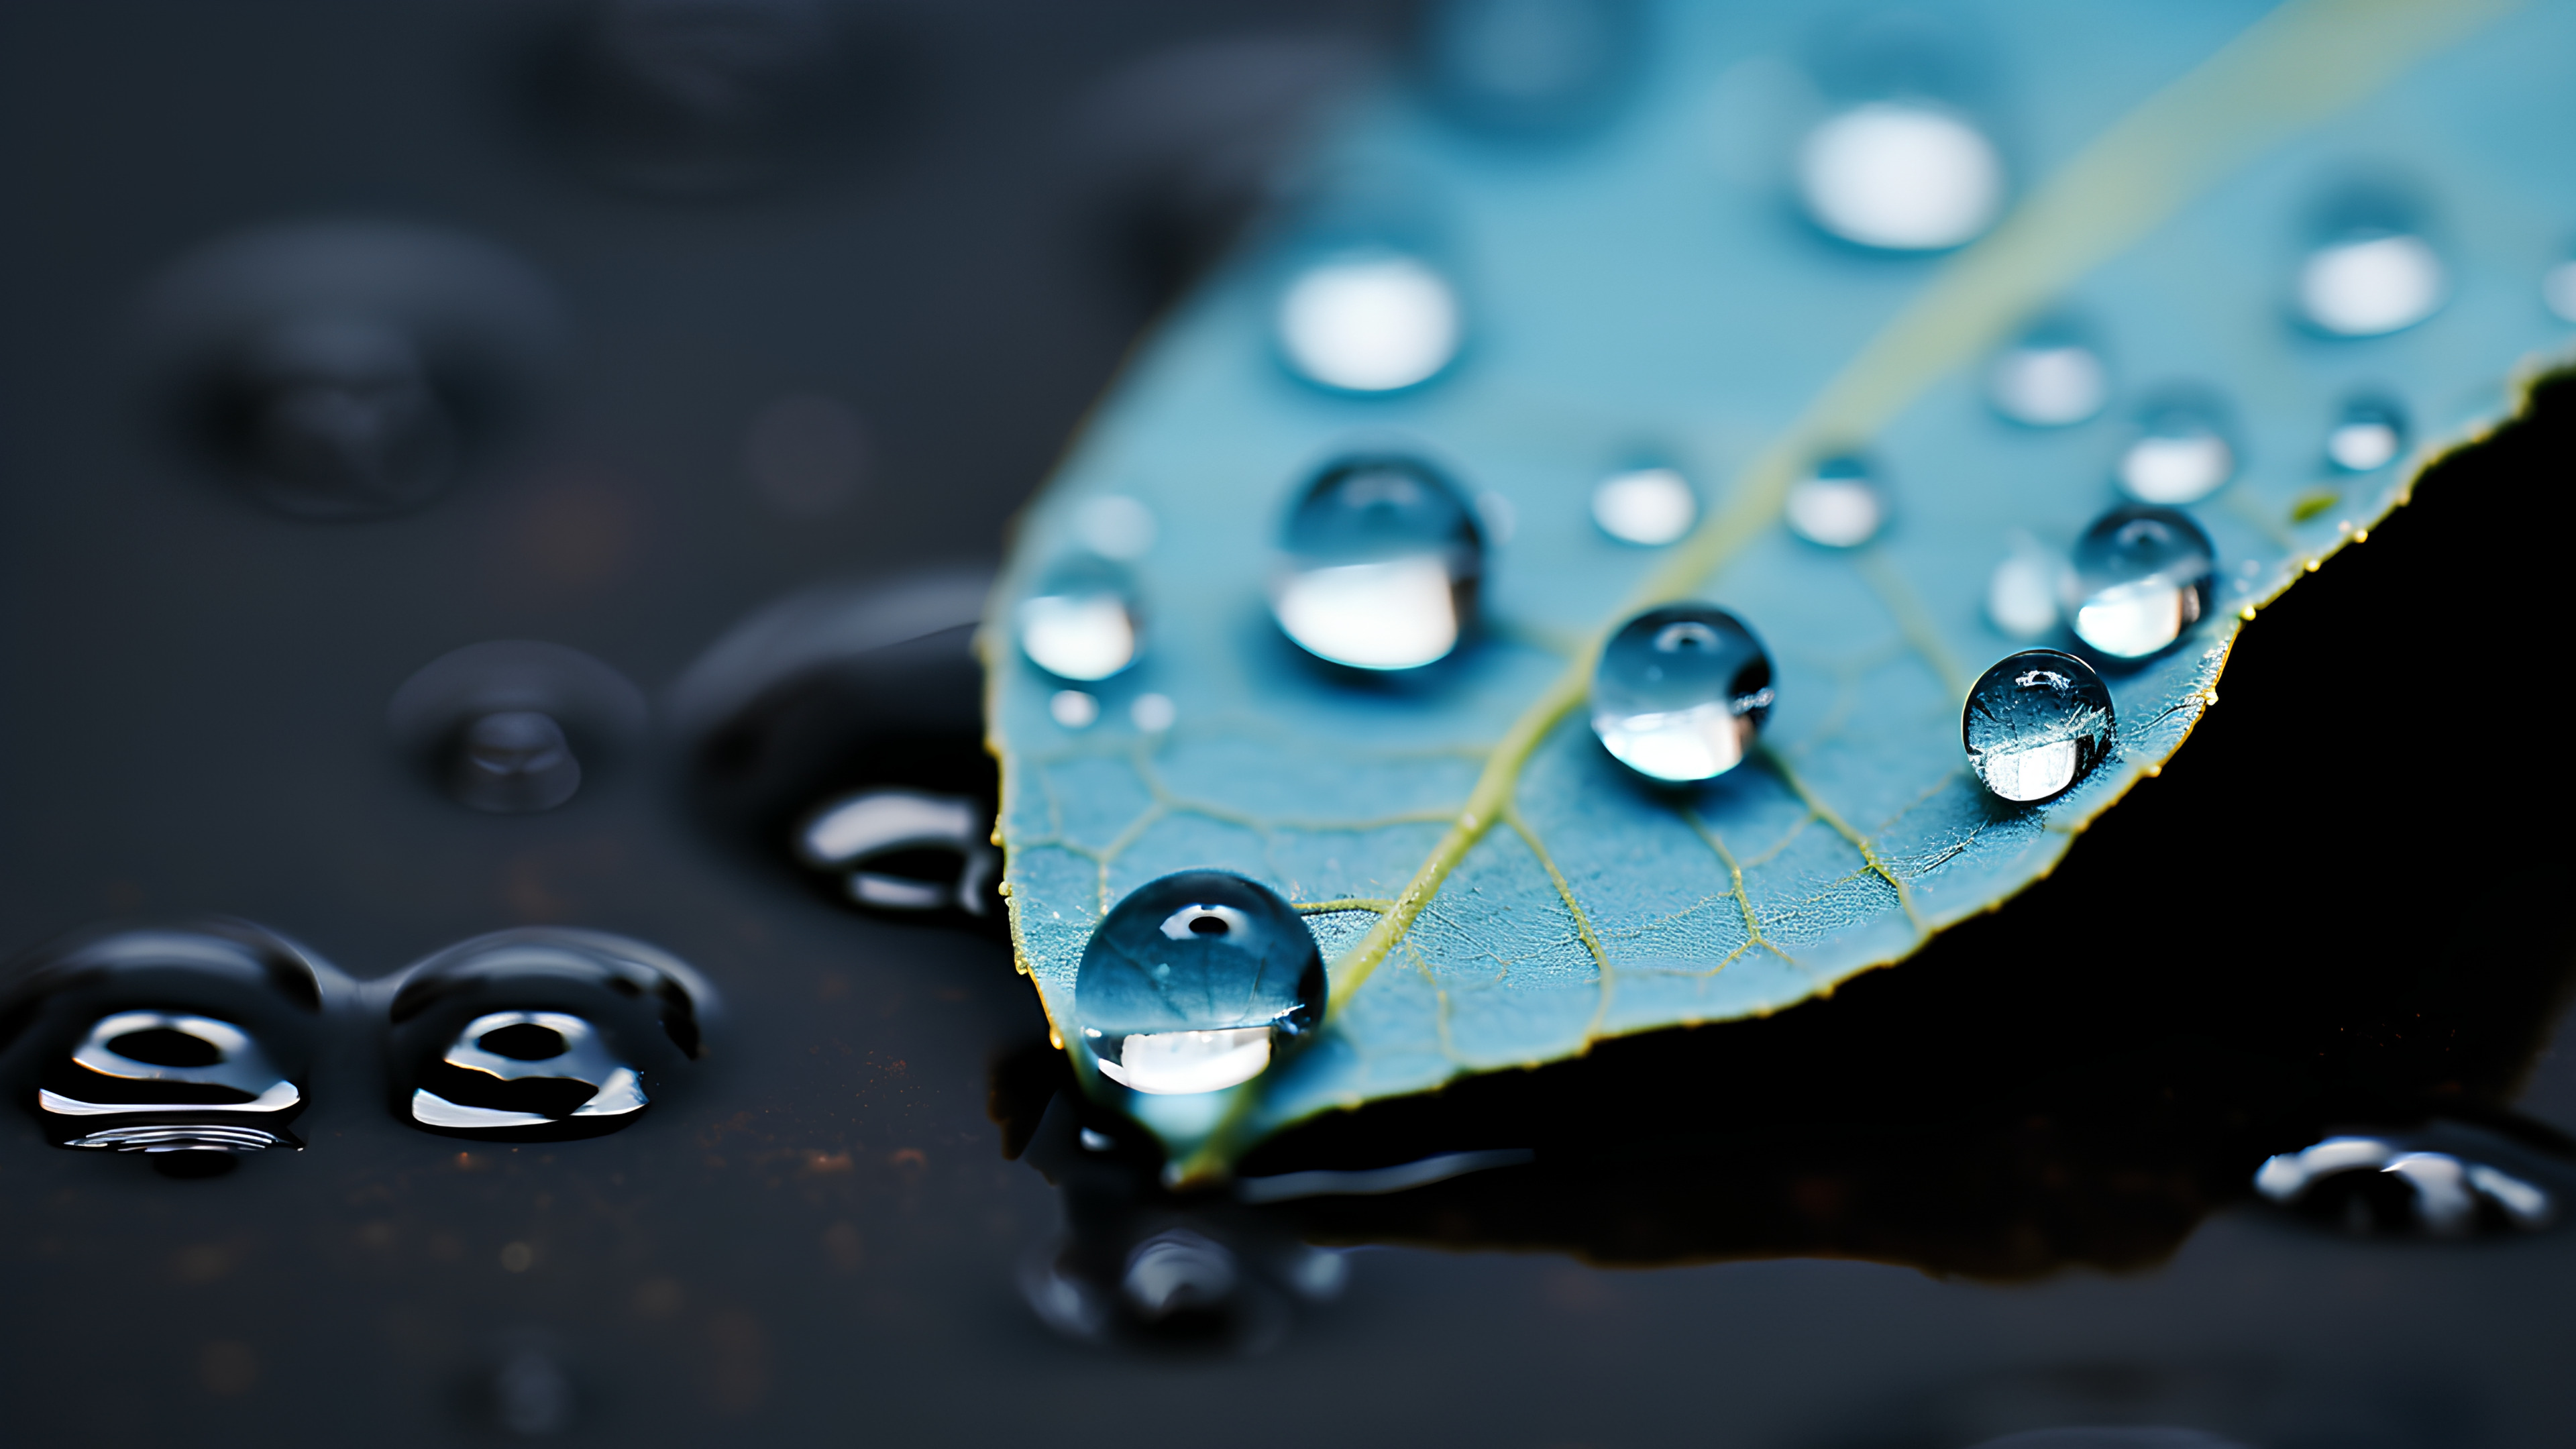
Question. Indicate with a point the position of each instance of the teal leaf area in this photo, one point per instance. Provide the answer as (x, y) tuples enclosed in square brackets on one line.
[(1489, 887)]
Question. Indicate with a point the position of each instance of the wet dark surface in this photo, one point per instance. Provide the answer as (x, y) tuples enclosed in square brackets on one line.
[(2004, 1187)]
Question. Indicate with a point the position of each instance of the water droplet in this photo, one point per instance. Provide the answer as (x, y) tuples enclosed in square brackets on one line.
[(1649, 507), (1384, 557), (2368, 436), (2371, 1184), (694, 97), (2181, 453), (904, 850), (133, 1064), (2142, 577), (2022, 593), (1153, 713), (2036, 723), (542, 1034), (1369, 321), (1680, 692), (1839, 505), (1901, 176), (2369, 283), (1116, 526), (2558, 290), (2051, 378), (514, 761), (1081, 623), (1073, 709), (532, 1396), (341, 419), (1190, 982), (1529, 66), (513, 726)]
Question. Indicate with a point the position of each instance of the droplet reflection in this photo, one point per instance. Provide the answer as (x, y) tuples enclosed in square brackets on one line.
[(2371, 1185), (1901, 176), (2142, 576), (1649, 507), (2035, 724), (2049, 379), (1189, 983), (1384, 558), (2370, 283), (905, 850), (1839, 505), (162, 1064), (2368, 436), (2181, 454), (1680, 693), (517, 1069), (1370, 321), (1082, 623)]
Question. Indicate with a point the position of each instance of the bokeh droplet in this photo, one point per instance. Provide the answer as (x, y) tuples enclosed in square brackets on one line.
[(1839, 505), (2035, 724), (2370, 283), (1082, 622), (2367, 436), (1369, 321), (2049, 379), (1901, 176), (1191, 982), (2181, 454), (1649, 507), (1680, 693)]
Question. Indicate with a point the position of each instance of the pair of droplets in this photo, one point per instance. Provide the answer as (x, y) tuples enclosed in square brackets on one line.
[(1383, 559)]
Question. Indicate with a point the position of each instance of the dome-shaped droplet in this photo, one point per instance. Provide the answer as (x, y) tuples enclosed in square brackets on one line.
[(1116, 526), (905, 850), (1189, 983), (1082, 621), (1529, 66), (2142, 576), (340, 418), (1680, 692), (1901, 176), (2370, 283), (1369, 321), (2558, 290), (514, 761), (1649, 507), (2367, 436), (1383, 560), (2051, 378), (2182, 453), (1839, 505), (2022, 592), (2036, 723), (2375, 1185)]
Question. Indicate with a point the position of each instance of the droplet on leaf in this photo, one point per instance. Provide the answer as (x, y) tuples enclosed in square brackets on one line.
[(2369, 435), (2370, 283), (1188, 983), (1649, 507), (2036, 723), (1384, 556), (2142, 576), (1529, 67), (1839, 505), (1073, 709), (1680, 693), (2181, 454), (1369, 321), (2558, 290), (1116, 526), (1901, 176), (2050, 378), (2022, 593), (1082, 622)]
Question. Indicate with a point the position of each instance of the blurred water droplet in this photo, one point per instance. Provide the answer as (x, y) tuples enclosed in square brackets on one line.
[(1529, 66), (516, 1069), (1115, 526), (904, 850), (1073, 709), (806, 455), (1369, 321), (342, 419), (2369, 435), (700, 96), (1153, 713), (1384, 558), (2036, 723), (2049, 379), (1680, 692), (2181, 454), (515, 726), (1649, 507), (1901, 176), (2022, 593), (2371, 1184), (1177, 1271), (532, 1396), (1839, 505), (1082, 622), (514, 762), (2558, 290), (2141, 577), (2370, 283), (1190, 982)]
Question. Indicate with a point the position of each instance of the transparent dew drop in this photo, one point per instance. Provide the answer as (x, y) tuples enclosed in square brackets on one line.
[(1192, 982), (1839, 505), (514, 762), (1680, 693), (2367, 436), (2181, 454), (2370, 283), (905, 850), (1082, 622), (1369, 321), (2049, 379), (2374, 1185), (1901, 176), (1649, 507), (2022, 593), (1383, 557), (2558, 290), (1073, 708), (2142, 576), (2035, 724), (1528, 66)]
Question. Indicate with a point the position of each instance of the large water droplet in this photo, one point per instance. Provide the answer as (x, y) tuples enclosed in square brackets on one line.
[(2051, 378), (2367, 436), (1680, 692), (2142, 576), (1901, 176), (2371, 1184), (905, 850), (1384, 556), (2036, 723), (1191, 981), (2370, 283), (1839, 505), (1081, 623), (2182, 453), (1649, 507), (1529, 66), (509, 1070), (1369, 321)]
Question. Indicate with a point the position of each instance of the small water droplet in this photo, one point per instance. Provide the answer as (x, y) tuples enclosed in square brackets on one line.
[(2372, 1184), (1081, 623), (1073, 709), (1116, 526), (1153, 713), (2022, 593), (514, 726), (2181, 454), (341, 419), (1680, 692), (2036, 723), (905, 850), (2370, 282), (2368, 435), (2558, 290), (2051, 378), (1839, 505), (532, 1396), (1901, 176), (514, 762), (1529, 66), (1384, 557), (2141, 578), (1369, 321), (1190, 983), (1649, 507)]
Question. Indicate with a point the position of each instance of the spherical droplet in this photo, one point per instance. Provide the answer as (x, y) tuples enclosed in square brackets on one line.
[(1073, 708), (2181, 454), (1839, 505), (1649, 507), (1383, 560), (1191, 981), (1680, 692), (2370, 284), (2367, 436), (513, 762), (2142, 577), (2036, 723), (1081, 623), (1371, 321), (1901, 177), (2049, 379)]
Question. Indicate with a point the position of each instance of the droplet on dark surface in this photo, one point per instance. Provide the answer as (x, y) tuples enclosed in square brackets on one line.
[(1838, 505), (341, 419), (2050, 377), (1369, 319), (695, 97), (1384, 557), (2366, 436), (1529, 67), (514, 726), (905, 850), (2036, 723), (1680, 693), (1082, 623), (2141, 579), (532, 1396), (1901, 175), (515, 761), (2382, 1186), (1649, 507), (1192, 982), (511, 1070), (2182, 453)]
